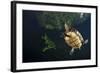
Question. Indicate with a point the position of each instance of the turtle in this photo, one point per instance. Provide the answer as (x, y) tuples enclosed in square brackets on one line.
[(73, 38)]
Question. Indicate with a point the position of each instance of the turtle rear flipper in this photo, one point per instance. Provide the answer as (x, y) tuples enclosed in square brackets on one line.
[(72, 51)]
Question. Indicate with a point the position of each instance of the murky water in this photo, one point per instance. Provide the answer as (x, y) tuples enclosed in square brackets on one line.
[(33, 44)]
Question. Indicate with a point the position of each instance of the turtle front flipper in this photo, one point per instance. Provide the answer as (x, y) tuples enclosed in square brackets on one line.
[(72, 51), (86, 41)]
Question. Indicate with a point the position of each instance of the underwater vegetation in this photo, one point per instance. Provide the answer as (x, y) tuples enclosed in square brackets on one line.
[(56, 20), (43, 38), (48, 42)]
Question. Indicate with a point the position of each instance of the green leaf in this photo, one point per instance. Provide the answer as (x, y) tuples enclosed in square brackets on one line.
[(48, 42)]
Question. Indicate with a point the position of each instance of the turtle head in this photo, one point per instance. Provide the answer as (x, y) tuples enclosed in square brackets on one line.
[(69, 31), (69, 28), (69, 34), (66, 27)]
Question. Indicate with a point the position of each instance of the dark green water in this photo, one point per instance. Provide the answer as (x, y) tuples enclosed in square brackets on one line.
[(37, 23)]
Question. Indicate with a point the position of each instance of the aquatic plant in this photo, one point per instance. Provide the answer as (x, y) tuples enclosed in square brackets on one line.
[(48, 42), (56, 20)]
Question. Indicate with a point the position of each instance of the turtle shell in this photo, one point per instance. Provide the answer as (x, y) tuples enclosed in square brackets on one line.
[(73, 40)]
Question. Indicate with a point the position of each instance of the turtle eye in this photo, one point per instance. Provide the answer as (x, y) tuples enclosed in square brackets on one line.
[(66, 34)]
